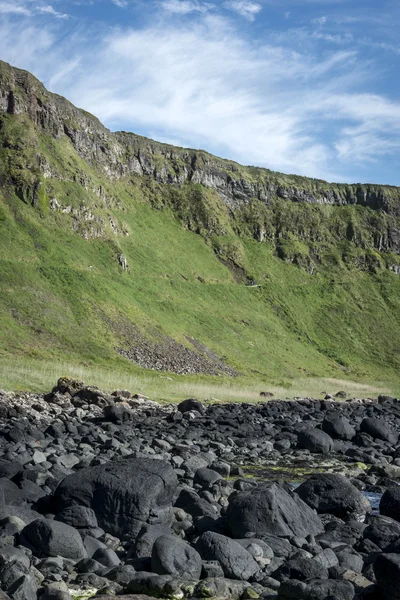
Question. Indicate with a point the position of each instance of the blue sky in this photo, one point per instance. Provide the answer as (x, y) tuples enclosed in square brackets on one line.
[(299, 86)]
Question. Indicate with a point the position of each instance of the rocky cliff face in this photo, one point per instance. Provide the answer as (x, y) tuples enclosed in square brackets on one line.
[(123, 155)]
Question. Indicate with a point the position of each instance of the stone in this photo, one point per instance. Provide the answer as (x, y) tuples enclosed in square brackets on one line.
[(51, 538), (387, 573), (235, 561), (315, 441), (172, 556), (379, 429), (338, 427), (389, 505), (334, 494), (123, 494), (271, 509)]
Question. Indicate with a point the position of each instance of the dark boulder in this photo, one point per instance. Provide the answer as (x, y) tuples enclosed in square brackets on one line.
[(271, 509), (387, 573), (51, 538), (117, 413), (191, 404), (338, 427), (315, 441), (123, 494), (379, 429), (172, 556), (145, 540), (382, 531), (390, 503), (302, 569), (235, 561), (206, 477), (334, 494)]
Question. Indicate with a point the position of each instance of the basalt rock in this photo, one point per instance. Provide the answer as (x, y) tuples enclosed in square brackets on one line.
[(271, 510), (123, 494)]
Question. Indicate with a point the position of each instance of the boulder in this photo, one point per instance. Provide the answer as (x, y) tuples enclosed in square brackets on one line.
[(338, 427), (206, 477), (334, 494), (235, 561), (172, 556), (379, 429), (315, 441), (51, 538), (387, 573), (382, 531), (271, 509), (302, 569), (191, 404), (123, 494), (390, 503)]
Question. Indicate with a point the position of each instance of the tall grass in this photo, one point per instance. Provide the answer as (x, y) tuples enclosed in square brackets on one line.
[(41, 376)]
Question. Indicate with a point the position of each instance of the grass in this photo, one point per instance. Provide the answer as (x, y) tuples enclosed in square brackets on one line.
[(41, 376), (324, 314)]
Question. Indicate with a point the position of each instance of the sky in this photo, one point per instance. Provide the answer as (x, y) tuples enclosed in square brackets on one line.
[(310, 87)]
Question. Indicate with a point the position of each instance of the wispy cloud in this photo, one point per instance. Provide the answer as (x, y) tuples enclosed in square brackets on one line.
[(13, 8), (320, 20), (120, 3), (245, 8), (202, 83), (184, 7), (49, 10)]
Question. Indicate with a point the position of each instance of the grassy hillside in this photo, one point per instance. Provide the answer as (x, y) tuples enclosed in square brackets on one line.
[(290, 296)]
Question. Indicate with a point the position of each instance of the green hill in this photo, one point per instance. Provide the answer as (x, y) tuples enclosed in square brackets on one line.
[(127, 261)]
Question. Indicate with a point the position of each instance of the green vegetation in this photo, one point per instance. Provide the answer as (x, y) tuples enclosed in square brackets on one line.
[(321, 313)]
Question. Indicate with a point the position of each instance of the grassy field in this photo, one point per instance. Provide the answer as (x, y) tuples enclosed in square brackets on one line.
[(40, 376), (323, 314)]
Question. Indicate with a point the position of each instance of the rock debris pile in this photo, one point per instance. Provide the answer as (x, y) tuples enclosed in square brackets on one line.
[(104, 495)]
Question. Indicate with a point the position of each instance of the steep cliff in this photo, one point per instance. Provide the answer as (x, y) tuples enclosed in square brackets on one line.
[(123, 155), (114, 245)]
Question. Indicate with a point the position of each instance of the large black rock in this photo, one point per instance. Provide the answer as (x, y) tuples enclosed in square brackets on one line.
[(271, 509), (334, 494), (235, 561), (52, 538), (390, 503), (338, 427), (123, 494), (387, 573), (316, 441), (172, 556), (379, 429)]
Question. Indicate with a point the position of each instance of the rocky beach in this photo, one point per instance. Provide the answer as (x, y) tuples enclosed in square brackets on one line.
[(113, 494)]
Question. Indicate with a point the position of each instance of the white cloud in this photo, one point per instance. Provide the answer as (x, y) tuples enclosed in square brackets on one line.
[(13, 8), (120, 3), (205, 85), (184, 7), (245, 8), (319, 20), (49, 10)]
